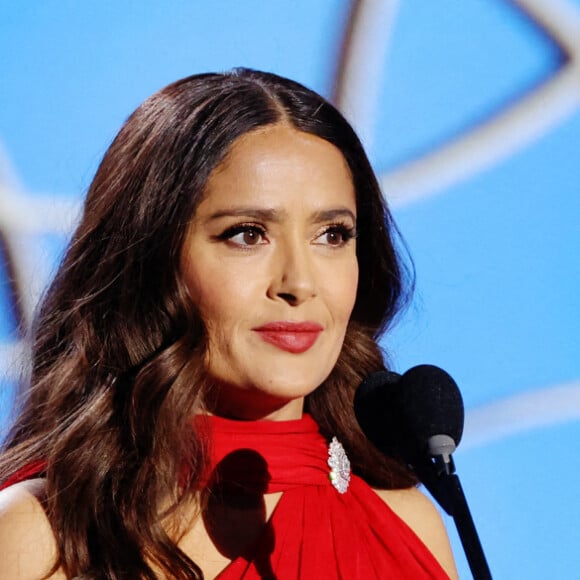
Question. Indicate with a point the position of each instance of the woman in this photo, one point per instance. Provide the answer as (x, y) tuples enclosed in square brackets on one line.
[(218, 305)]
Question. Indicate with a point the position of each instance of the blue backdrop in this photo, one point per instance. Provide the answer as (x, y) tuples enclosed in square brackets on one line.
[(471, 113)]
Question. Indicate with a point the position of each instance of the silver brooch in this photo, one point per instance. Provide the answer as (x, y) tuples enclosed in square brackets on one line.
[(339, 466)]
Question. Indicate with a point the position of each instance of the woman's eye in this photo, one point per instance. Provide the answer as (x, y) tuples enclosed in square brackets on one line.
[(244, 235), (336, 236)]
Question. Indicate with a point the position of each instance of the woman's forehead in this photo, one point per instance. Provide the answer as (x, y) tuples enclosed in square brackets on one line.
[(278, 163)]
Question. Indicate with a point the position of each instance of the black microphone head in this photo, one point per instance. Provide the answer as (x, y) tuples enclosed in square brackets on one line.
[(432, 403), (372, 401), (400, 414)]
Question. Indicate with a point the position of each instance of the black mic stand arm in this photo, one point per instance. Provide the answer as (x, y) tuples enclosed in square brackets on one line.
[(440, 479)]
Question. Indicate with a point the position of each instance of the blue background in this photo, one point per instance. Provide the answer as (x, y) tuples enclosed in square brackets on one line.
[(496, 253)]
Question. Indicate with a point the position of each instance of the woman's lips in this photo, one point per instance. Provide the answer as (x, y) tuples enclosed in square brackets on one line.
[(294, 337)]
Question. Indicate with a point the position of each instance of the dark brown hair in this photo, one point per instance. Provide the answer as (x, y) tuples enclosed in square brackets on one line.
[(117, 356)]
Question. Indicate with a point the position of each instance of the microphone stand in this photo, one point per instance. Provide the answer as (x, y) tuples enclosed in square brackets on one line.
[(439, 477)]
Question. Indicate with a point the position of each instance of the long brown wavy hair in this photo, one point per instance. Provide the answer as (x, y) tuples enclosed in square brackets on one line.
[(117, 364)]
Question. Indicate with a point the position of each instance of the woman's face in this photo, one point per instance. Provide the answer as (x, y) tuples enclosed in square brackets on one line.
[(270, 261)]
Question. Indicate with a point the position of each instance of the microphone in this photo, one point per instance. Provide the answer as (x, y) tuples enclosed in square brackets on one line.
[(418, 417), (414, 416)]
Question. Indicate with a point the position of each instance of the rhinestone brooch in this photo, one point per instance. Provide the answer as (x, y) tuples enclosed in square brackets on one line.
[(339, 466)]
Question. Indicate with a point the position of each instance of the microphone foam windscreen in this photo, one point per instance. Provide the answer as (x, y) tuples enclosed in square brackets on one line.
[(431, 403), (400, 413), (374, 402)]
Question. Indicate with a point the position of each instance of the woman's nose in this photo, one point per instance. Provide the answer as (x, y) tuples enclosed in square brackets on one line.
[(293, 277)]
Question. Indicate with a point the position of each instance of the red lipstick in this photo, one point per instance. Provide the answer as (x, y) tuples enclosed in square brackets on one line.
[(294, 337)]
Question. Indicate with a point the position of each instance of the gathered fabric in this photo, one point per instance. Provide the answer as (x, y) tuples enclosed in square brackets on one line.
[(314, 531)]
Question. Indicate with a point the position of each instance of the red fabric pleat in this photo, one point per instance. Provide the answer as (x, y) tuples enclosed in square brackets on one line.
[(314, 531)]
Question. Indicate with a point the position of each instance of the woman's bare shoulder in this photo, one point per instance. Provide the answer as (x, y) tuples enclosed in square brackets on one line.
[(421, 515), (27, 542)]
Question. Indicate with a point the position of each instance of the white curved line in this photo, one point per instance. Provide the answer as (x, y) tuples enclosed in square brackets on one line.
[(37, 215), (32, 214), (559, 18), (358, 94), (488, 144), (509, 131), (11, 360), (22, 218), (33, 267), (520, 413)]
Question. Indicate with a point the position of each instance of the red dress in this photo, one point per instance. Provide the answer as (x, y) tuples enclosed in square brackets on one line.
[(315, 532)]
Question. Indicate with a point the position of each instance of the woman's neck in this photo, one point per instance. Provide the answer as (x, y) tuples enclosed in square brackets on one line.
[(287, 411)]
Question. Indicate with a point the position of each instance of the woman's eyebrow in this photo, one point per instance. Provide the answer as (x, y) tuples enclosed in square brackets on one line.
[(278, 215), (333, 214), (257, 213)]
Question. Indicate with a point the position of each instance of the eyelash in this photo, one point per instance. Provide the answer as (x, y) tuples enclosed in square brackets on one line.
[(346, 232), (230, 233)]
